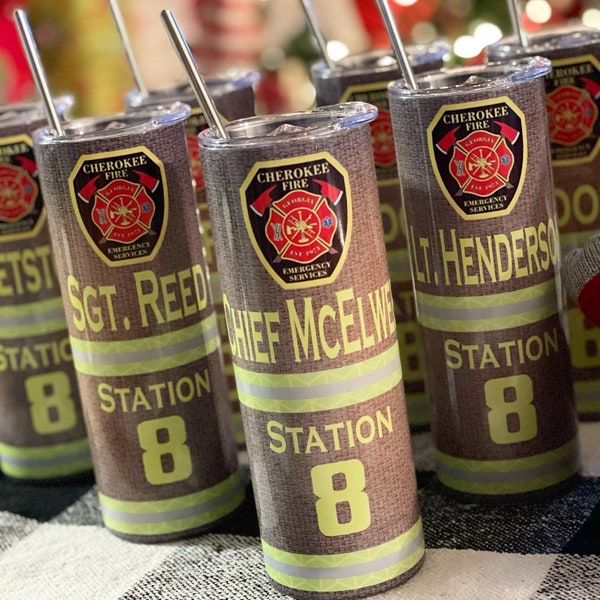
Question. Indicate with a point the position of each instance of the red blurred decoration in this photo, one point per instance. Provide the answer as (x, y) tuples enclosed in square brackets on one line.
[(406, 18), (17, 83), (269, 96), (559, 15)]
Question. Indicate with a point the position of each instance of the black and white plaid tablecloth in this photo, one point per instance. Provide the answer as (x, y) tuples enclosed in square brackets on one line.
[(53, 546)]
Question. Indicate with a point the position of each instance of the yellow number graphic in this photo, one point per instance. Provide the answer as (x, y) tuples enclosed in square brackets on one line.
[(585, 341), (352, 497), (163, 438), (583, 206), (51, 405), (496, 392)]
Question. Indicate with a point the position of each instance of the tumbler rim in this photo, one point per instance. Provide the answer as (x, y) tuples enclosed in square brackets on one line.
[(88, 129), (490, 76), (315, 123), (31, 111), (218, 85), (556, 38), (380, 61)]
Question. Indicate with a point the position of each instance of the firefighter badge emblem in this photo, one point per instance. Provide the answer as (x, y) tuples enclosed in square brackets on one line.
[(573, 104), (298, 214), (121, 203), (479, 152), (21, 206), (383, 139), (382, 135)]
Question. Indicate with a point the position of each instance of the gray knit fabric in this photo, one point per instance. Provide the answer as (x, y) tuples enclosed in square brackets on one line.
[(580, 265)]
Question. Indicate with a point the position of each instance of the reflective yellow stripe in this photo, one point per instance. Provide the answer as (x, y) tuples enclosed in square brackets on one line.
[(587, 396), (175, 514), (238, 429), (32, 319), (41, 462), (575, 239), (215, 287), (418, 409), (320, 390), (399, 266), (515, 476), (147, 355), (347, 570), (492, 312)]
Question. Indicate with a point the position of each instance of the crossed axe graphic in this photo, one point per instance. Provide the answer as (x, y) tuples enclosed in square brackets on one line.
[(506, 131), (330, 191), (592, 87), (29, 165), (89, 189)]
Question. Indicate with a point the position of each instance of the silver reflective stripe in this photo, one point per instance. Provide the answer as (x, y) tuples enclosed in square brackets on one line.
[(364, 568), (323, 389), (176, 514), (36, 316), (44, 462), (125, 357), (490, 312), (399, 266), (507, 476)]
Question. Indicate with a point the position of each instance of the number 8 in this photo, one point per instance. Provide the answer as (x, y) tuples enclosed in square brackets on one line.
[(352, 494), (52, 407), (173, 446), (500, 409)]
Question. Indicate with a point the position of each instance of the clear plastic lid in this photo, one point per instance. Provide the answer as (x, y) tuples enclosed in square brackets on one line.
[(115, 125), (381, 61), (466, 80), (540, 43), (285, 128), (218, 85), (24, 113)]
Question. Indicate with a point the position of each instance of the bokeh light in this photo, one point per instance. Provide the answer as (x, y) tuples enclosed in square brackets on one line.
[(466, 46), (470, 46), (538, 11), (591, 17), (424, 33), (487, 33), (337, 49)]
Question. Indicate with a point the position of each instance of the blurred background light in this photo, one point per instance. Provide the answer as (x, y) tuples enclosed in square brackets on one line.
[(337, 49), (466, 46), (405, 2), (539, 11), (591, 17)]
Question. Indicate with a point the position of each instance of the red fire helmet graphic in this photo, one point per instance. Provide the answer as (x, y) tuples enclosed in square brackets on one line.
[(572, 114), (301, 226), (18, 191), (123, 211), (481, 163)]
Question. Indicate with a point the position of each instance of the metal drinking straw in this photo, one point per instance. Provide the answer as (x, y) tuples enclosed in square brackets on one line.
[(196, 80), (313, 24), (397, 45), (515, 19), (37, 70), (120, 23)]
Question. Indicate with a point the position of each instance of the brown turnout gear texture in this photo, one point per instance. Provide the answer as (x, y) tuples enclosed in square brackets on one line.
[(459, 419), (115, 447), (16, 426), (232, 102), (330, 90), (567, 179), (283, 491)]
